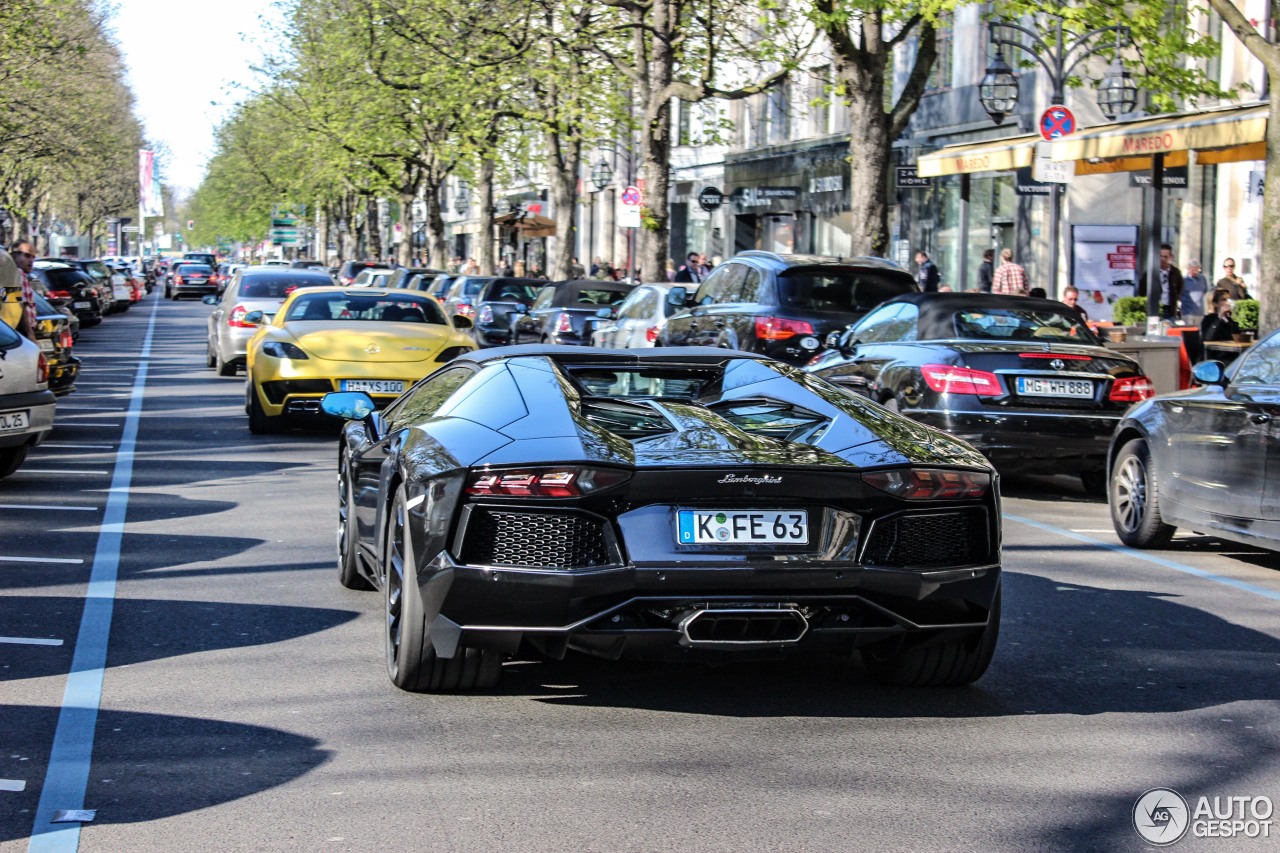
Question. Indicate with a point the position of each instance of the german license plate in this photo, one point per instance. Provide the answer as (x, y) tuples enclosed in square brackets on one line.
[(374, 386), (81, 304), (45, 344), (742, 527), (1036, 386), (10, 421)]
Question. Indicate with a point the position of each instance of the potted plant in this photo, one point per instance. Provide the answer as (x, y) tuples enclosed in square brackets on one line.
[(1129, 313), (1245, 313)]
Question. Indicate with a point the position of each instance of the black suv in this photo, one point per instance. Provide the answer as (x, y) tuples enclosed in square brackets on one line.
[(66, 285), (782, 306)]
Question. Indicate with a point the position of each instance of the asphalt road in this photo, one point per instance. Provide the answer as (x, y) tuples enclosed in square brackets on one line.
[(244, 703)]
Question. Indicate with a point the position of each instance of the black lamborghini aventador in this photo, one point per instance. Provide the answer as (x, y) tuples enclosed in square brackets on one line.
[(668, 503)]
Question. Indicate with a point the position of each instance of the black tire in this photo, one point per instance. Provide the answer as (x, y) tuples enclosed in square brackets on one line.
[(952, 663), (1095, 484), (210, 360), (411, 659), (1134, 498), (348, 563), (260, 423), (11, 458), (168, 294), (224, 368)]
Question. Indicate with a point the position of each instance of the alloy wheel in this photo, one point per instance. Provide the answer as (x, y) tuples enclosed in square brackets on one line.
[(1130, 493), (394, 582)]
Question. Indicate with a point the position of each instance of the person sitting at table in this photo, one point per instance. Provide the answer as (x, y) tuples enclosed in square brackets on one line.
[(1218, 326)]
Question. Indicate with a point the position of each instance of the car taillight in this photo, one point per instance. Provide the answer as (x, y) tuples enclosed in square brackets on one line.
[(177, 279), (1131, 389), (58, 294), (67, 340), (42, 369), (465, 309), (928, 484), (779, 328), (651, 334), (345, 280), (949, 379), (564, 326), (565, 482), (485, 315), (236, 319)]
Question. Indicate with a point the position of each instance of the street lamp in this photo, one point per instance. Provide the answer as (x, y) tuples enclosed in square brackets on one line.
[(601, 174), (1058, 57)]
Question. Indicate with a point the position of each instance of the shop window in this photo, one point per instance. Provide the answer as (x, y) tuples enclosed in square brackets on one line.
[(684, 135), (940, 76), (779, 114)]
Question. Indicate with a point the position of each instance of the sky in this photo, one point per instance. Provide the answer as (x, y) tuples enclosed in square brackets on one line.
[(184, 61)]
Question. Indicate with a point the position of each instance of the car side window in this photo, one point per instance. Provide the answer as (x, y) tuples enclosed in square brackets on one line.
[(753, 287), (724, 286), (711, 285), (544, 297), (890, 323), (422, 401), (1261, 366)]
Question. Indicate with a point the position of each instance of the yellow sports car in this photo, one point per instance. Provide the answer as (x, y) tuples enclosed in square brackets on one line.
[(338, 339)]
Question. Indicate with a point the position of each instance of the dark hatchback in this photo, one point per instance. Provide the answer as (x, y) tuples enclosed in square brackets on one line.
[(782, 306), (566, 312), (1022, 379), (403, 277), (191, 279), (349, 270), (499, 305), (1204, 459), (66, 285), (679, 504)]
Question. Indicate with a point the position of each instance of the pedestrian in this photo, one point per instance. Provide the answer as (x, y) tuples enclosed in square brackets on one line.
[(518, 270), (927, 275), (691, 272), (1194, 290), (1219, 325), (1230, 282), (576, 270), (1038, 293), (1071, 298), (986, 270), (1169, 284), (1009, 278), (471, 267), (23, 318)]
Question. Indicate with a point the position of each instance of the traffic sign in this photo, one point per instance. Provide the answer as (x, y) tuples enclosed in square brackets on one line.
[(631, 196), (1057, 122)]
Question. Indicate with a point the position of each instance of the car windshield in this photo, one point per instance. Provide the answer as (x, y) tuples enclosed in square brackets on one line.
[(194, 269), (384, 309), (279, 286), (643, 382), (838, 291), (1021, 324), (62, 279)]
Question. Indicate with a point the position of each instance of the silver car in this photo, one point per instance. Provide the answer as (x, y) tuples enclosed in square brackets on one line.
[(26, 403), (637, 321), (255, 288)]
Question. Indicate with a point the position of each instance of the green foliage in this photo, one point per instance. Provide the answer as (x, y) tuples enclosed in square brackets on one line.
[(1130, 311), (1245, 313)]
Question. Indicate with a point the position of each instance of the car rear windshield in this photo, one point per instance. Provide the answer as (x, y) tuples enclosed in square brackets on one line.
[(64, 279), (1022, 324), (385, 309), (279, 286), (512, 291), (839, 291), (194, 269), (622, 383), (589, 297)]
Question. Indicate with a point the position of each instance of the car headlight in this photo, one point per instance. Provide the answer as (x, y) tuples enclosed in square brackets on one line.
[(283, 349)]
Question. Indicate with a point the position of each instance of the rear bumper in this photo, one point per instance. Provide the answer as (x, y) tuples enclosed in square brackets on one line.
[(196, 289), (41, 406), (1072, 441), (62, 375)]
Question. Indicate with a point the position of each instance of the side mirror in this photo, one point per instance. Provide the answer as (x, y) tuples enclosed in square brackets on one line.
[(606, 314), (210, 299), (254, 318), (677, 296), (461, 321), (1209, 373), (349, 405), (521, 308), (833, 340)]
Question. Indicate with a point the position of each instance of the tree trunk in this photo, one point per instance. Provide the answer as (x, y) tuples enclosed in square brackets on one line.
[(405, 254), (869, 147), (373, 227), (438, 251), (654, 235), (1267, 287), (484, 236), (563, 183), (322, 233)]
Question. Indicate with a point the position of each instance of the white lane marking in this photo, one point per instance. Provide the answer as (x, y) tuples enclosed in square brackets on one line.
[(59, 471), (1150, 558), (51, 506), (73, 446), (14, 785), (30, 641), (67, 775), (1092, 530), (66, 560)]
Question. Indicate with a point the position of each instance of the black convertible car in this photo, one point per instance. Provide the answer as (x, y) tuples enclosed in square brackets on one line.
[(663, 503), (1021, 379), (1204, 459)]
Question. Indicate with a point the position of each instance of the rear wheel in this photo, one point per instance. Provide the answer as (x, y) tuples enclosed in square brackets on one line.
[(348, 566), (412, 663), (951, 663), (210, 360), (1135, 499), (260, 422), (225, 368), (10, 459)]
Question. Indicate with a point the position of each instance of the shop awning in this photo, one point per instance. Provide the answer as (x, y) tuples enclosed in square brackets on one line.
[(996, 155), (1220, 136), (529, 225)]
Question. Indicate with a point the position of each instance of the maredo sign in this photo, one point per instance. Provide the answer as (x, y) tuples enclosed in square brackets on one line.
[(1150, 144)]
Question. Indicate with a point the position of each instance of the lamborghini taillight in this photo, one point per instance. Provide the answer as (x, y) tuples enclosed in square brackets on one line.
[(926, 484), (568, 481)]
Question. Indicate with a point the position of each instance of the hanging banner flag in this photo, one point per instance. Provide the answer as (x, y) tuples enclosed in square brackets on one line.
[(150, 199)]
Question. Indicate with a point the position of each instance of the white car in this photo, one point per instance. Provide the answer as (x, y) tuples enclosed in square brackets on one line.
[(26, 403), (372, 278), (637, 321)]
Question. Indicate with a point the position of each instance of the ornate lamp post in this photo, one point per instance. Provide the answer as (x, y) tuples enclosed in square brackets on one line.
[(1058, 56)]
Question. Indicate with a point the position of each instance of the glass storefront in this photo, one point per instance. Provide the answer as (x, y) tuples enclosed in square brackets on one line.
[(932, 222)]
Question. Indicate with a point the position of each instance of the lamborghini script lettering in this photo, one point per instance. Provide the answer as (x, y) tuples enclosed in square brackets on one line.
[(759, 481)]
